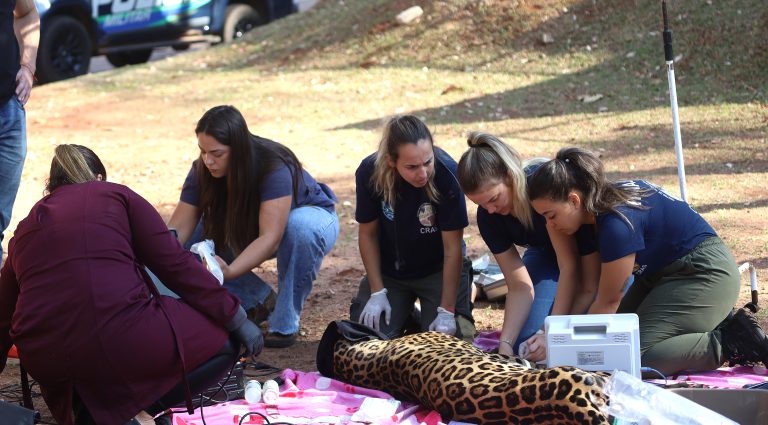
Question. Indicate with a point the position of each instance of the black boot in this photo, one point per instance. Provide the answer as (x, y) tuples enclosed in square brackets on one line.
[(743, 340)]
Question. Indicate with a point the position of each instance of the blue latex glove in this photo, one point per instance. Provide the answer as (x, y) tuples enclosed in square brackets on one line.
[(377, 304), (444, 322)]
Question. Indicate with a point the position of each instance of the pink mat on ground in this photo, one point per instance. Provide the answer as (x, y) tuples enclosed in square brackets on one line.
[(308, 397), (724, 377)]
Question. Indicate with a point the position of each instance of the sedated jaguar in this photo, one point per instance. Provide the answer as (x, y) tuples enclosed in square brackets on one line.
[(462, 382)]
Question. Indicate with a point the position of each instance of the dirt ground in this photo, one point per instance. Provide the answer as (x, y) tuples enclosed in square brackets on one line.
[(325, 103)]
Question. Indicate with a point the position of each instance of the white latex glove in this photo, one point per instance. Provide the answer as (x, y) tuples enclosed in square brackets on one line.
[(376, 304), (444, 322)]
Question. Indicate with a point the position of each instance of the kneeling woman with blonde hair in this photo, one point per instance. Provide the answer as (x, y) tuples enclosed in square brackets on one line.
[(494, 177), (412, 216)]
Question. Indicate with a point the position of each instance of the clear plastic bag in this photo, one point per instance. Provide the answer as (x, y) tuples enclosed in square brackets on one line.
[(632, 401), (205, 250)]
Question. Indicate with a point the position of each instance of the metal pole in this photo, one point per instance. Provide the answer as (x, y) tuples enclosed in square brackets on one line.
[(670, 60)]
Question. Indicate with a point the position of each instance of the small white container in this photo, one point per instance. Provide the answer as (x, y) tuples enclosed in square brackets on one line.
[(270, 392), (253, 392)]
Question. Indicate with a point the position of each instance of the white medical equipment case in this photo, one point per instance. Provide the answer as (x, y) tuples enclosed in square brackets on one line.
[(599, 342)]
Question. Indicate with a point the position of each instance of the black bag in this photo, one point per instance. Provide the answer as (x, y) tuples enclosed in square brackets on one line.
[(16, 415)]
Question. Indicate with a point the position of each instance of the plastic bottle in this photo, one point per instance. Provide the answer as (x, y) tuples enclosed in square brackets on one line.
[(271, 392), (253, 392)]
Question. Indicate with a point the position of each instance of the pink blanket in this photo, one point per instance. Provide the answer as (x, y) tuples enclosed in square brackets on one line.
[(725, 377), (308, 397)]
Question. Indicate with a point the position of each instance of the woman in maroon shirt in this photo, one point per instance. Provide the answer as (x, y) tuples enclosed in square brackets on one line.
[(88, 324)]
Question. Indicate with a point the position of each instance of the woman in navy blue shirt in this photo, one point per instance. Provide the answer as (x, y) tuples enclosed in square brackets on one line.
[(257, 202), (412, 216), (493, 176), (686, 280)]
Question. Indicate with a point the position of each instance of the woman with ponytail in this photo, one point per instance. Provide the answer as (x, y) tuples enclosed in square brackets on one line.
[(412, 216), (493, 176), (89, 325), (686, 280)]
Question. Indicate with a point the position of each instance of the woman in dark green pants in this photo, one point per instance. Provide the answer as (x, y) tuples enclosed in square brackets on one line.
[(686, 280)]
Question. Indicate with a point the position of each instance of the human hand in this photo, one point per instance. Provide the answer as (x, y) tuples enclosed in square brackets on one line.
[(24, 81), (250, 337), (444, 322), (537, 348), (224, 266), (376, 304), (246, 332)]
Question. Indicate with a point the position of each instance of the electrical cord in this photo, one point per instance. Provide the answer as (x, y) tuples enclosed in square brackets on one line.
[(266, 419), (209, 399), (265, 370), (652, 370)]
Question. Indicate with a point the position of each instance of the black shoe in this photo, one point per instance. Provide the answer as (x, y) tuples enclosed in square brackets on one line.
[(262, 311), (743, 340), (278, 340)]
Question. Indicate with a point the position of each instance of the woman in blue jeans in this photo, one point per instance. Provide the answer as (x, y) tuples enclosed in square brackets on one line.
[(493, 176), (257, 202)]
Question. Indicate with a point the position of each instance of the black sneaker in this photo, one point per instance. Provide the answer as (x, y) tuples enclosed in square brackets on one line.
[(278, 340), (262, 311), (743, 340)]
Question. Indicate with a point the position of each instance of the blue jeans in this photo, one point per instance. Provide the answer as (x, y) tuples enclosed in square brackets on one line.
[(544, 274), (309, 236), (13, 150)]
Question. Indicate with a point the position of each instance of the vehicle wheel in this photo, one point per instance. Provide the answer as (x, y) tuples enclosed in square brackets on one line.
[(131, 57), (65, 50), (238, 20)]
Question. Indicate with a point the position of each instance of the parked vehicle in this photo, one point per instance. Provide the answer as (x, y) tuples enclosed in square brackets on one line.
[(126, 31)]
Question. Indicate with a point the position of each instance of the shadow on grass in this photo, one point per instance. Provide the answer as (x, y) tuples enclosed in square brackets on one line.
[(634, 75), (759, 203)]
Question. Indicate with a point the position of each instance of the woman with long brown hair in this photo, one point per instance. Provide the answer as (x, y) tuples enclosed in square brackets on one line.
[(257, 202)]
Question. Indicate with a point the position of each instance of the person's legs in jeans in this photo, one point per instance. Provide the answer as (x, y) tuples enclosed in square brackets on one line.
[(13, 150), (544, 274), (309, 236), (249, 288)]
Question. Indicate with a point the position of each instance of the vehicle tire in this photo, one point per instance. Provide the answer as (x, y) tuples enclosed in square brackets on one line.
[(238, 20), (65, 50), (131, 57)]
